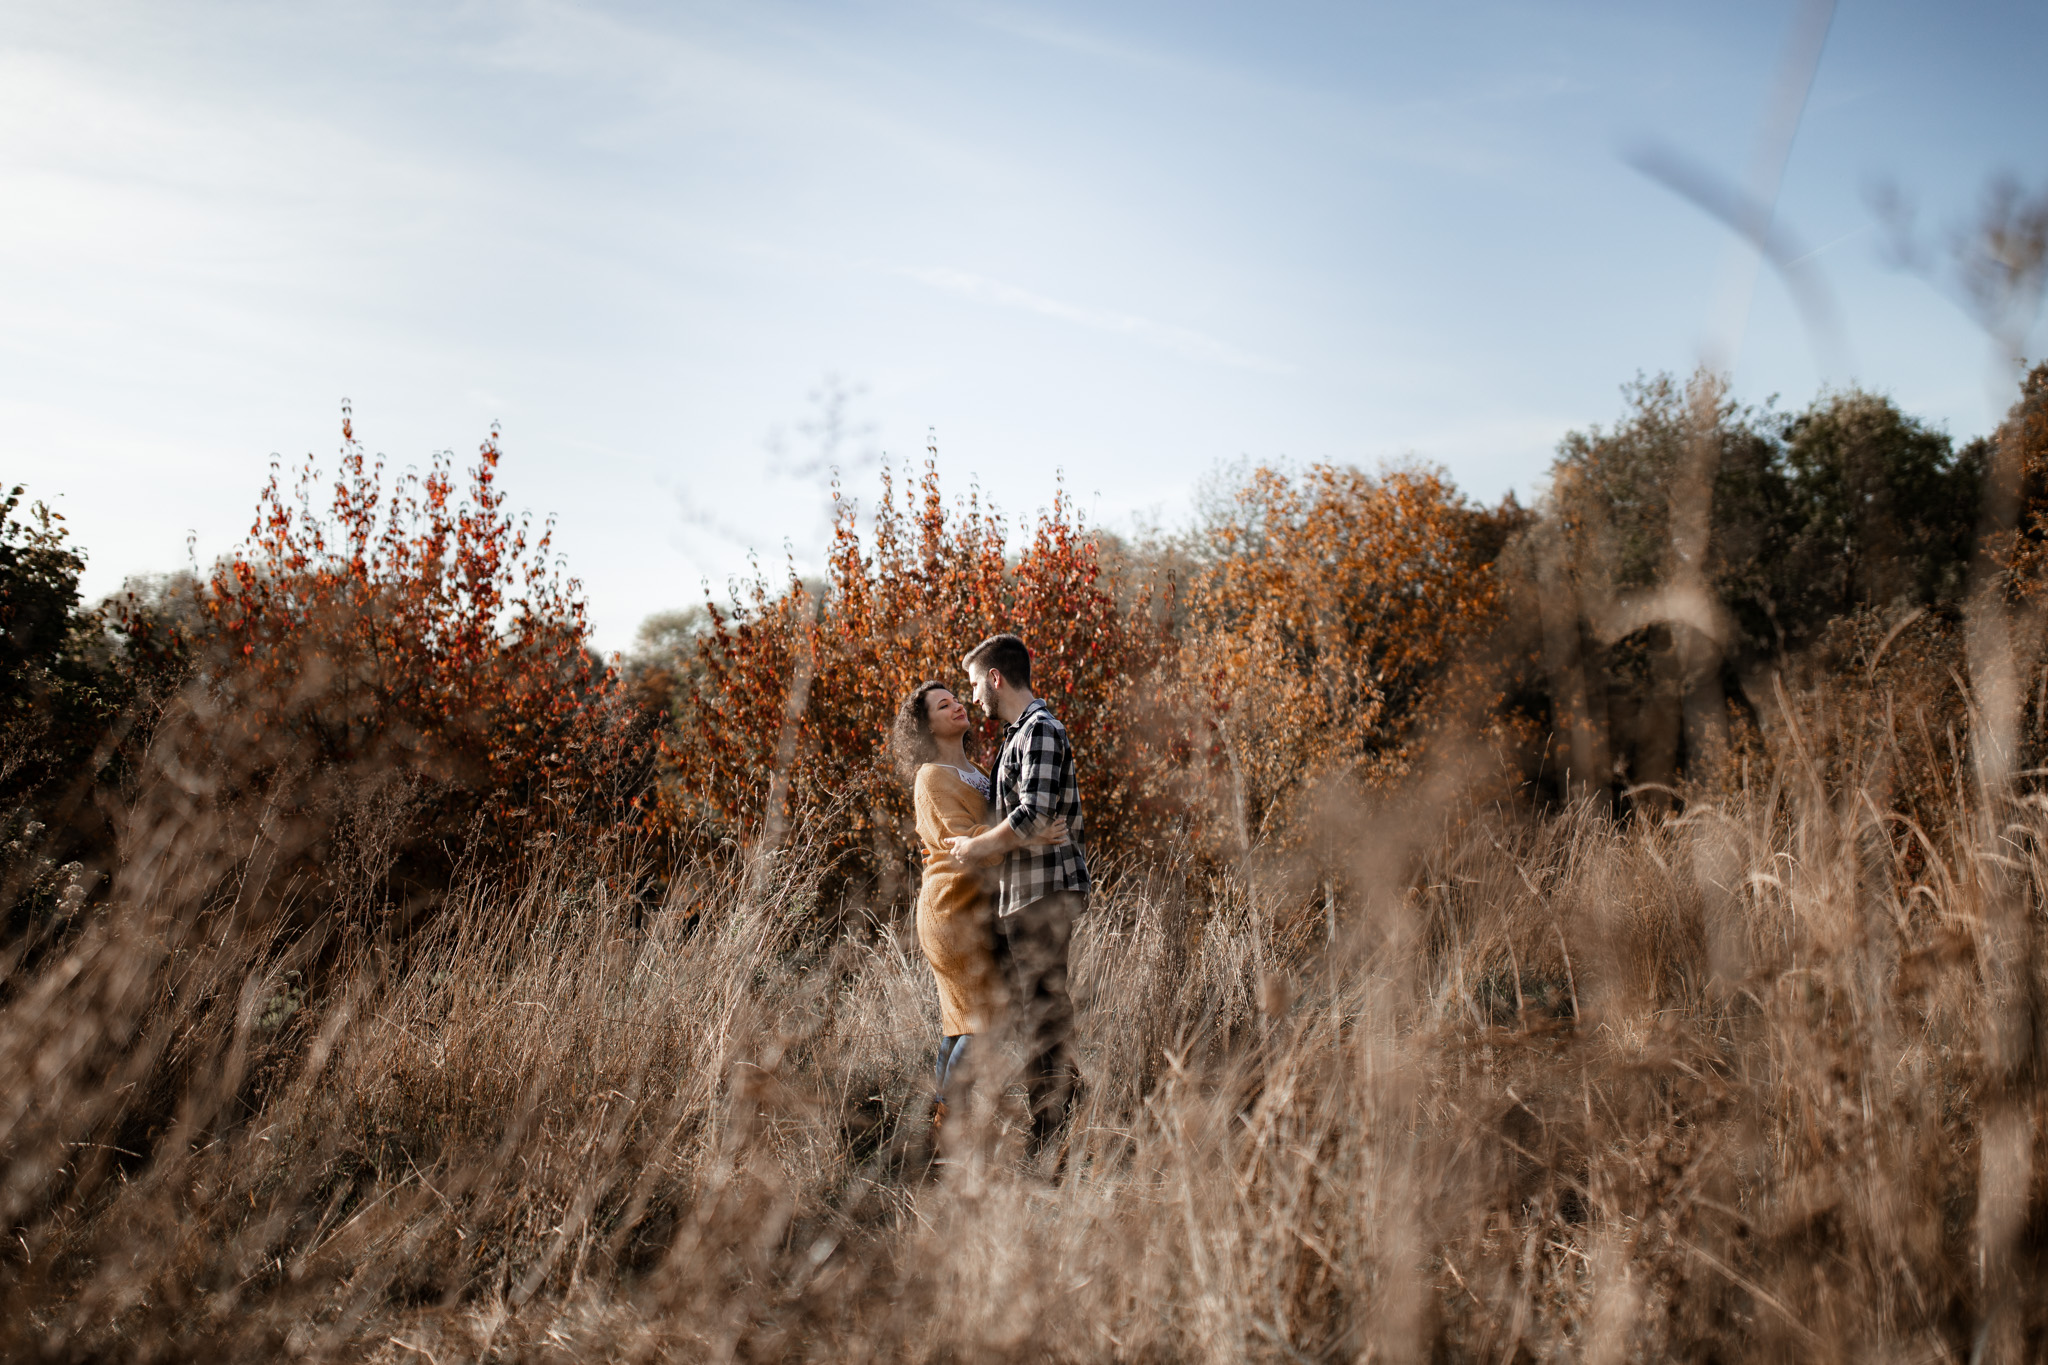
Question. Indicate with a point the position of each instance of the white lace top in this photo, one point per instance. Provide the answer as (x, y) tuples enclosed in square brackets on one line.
[(975, 779)]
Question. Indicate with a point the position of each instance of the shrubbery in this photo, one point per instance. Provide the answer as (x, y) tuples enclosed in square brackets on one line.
[(1325, 623), (1320, 626), (422, 629)]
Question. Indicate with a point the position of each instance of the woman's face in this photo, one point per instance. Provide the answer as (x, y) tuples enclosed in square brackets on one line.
[(947, 714)]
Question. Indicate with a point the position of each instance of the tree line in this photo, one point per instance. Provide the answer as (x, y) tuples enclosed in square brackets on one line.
[(402, 655)]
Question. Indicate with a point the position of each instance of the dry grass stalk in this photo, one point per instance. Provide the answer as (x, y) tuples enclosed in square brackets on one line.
[(1711, 1086)]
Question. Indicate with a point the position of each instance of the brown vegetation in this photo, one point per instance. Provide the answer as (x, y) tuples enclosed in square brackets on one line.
[(1399, 1043), (1704, 1088)]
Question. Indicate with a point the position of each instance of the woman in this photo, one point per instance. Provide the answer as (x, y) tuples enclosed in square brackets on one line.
[(954, 925)]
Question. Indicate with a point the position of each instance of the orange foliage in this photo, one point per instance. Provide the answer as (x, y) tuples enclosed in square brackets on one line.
[(418, 627), (791, 712), (2025, 433), (1324, 629)]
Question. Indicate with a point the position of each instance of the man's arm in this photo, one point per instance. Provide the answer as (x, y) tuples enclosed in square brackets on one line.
[(1038, 797)]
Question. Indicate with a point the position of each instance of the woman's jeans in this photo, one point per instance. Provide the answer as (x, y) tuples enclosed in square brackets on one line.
[(952, 1053)]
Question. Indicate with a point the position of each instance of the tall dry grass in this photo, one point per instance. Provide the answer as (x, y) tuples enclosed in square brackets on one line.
[(1549, 1087)]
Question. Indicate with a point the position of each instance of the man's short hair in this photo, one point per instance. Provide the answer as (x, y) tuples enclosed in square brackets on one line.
[(1005, 654)]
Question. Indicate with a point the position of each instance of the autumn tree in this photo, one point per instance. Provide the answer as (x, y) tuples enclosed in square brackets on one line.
[(2025, 431), (420, 628), (1324, 625)]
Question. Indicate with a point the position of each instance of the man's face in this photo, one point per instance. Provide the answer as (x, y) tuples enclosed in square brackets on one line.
[(984, 692)]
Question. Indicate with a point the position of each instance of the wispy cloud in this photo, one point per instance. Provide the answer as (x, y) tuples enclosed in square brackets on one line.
[(1450, 126), (1180, 340), (1037, 28)]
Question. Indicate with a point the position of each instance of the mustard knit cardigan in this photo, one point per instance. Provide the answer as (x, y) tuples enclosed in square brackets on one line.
[(955, 913)]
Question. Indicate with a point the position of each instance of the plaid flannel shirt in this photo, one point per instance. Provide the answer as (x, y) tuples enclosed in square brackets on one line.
[(1035, 785)]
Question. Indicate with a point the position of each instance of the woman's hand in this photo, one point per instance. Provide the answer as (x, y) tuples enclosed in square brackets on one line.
[(991, 846), (1052, 834)]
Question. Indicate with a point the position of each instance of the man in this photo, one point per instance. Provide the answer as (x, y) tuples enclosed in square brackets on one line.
[(1040, 889)]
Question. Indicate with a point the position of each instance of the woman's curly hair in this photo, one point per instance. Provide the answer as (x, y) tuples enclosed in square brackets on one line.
[(910, 738)]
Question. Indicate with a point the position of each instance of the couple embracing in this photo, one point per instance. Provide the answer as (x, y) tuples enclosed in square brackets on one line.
[(1005, 877)]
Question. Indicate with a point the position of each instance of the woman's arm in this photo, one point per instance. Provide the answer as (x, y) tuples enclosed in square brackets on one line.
[(943, 812), (983, 836), (948, 814)]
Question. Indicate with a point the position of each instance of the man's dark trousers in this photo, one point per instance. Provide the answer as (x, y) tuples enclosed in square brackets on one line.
[(1032, 953)]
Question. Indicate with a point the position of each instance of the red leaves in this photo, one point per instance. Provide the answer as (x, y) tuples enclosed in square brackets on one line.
[(423, 622), (388, 625)]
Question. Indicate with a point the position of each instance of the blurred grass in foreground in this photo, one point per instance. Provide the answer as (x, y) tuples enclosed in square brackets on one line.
[(1711, 1087)]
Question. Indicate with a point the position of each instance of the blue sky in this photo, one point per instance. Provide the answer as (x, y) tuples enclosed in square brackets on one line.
[(1129, 243)]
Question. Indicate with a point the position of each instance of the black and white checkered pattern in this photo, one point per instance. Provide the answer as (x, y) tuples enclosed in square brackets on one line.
[(1035, 785)]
